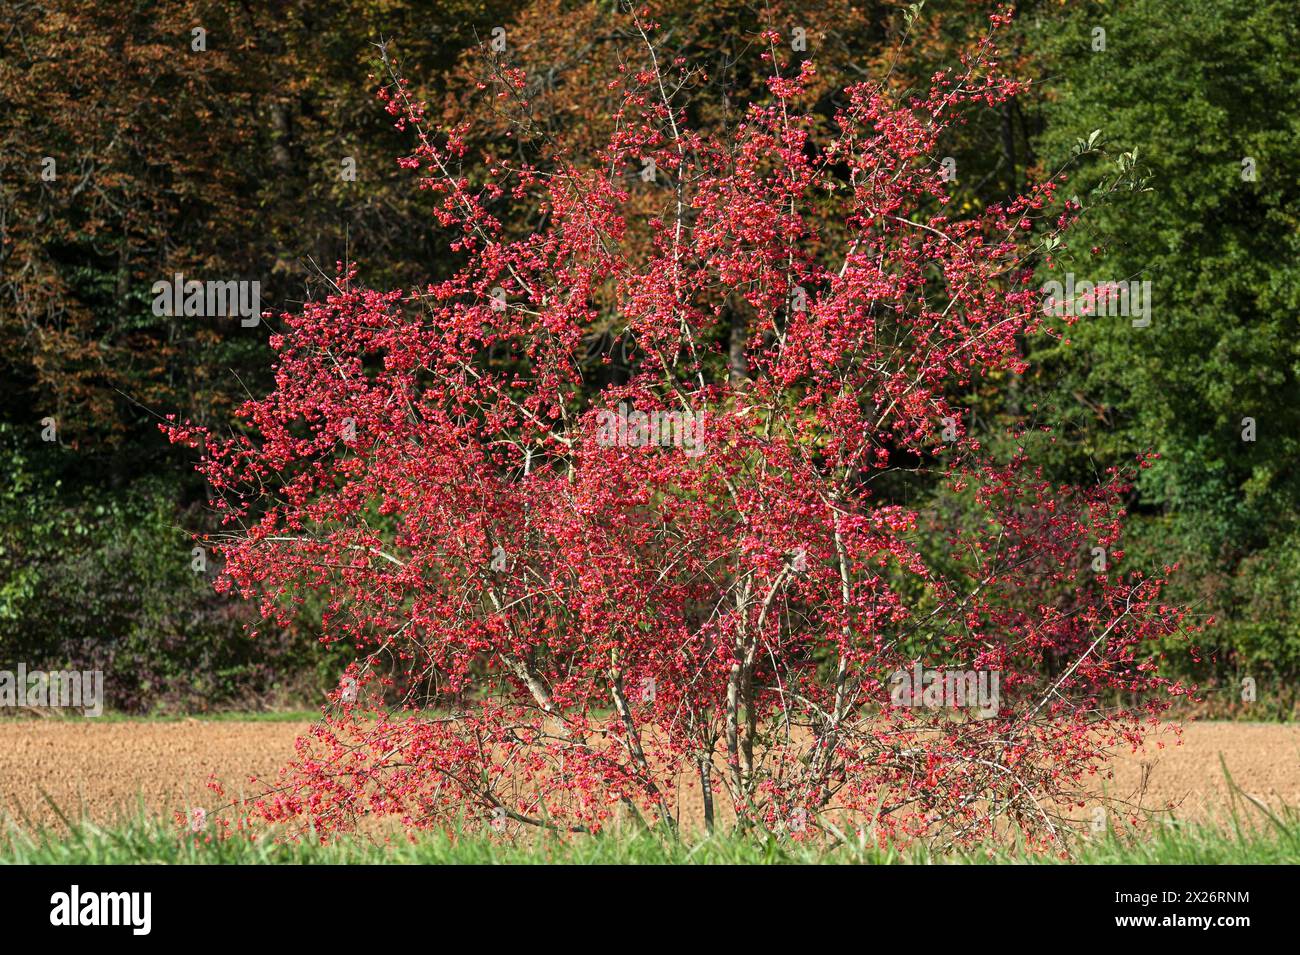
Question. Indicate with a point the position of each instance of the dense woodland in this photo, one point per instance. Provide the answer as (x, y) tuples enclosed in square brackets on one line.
[(128, 155)]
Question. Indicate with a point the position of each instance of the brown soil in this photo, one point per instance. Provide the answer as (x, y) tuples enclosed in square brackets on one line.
[(1262, 758), (105, 771)]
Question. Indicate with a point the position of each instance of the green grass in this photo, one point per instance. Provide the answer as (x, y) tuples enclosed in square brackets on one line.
[(1258, 839), (1249, 833)]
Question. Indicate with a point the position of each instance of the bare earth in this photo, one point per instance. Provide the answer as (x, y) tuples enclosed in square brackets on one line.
[(104, 771)]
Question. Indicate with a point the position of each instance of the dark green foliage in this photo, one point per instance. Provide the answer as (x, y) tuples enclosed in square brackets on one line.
[(107, 581), (1192, 90)]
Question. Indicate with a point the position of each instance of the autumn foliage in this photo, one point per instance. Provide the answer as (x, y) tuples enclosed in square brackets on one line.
[(558, 629)]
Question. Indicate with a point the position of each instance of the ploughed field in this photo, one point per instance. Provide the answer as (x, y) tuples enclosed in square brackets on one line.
[(108, 771)]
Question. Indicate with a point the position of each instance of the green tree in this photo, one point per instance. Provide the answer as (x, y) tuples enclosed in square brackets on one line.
[(1200, 95)]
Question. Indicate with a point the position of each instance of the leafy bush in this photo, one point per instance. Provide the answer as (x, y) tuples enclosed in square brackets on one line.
[(596, 604), (111, 586)]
